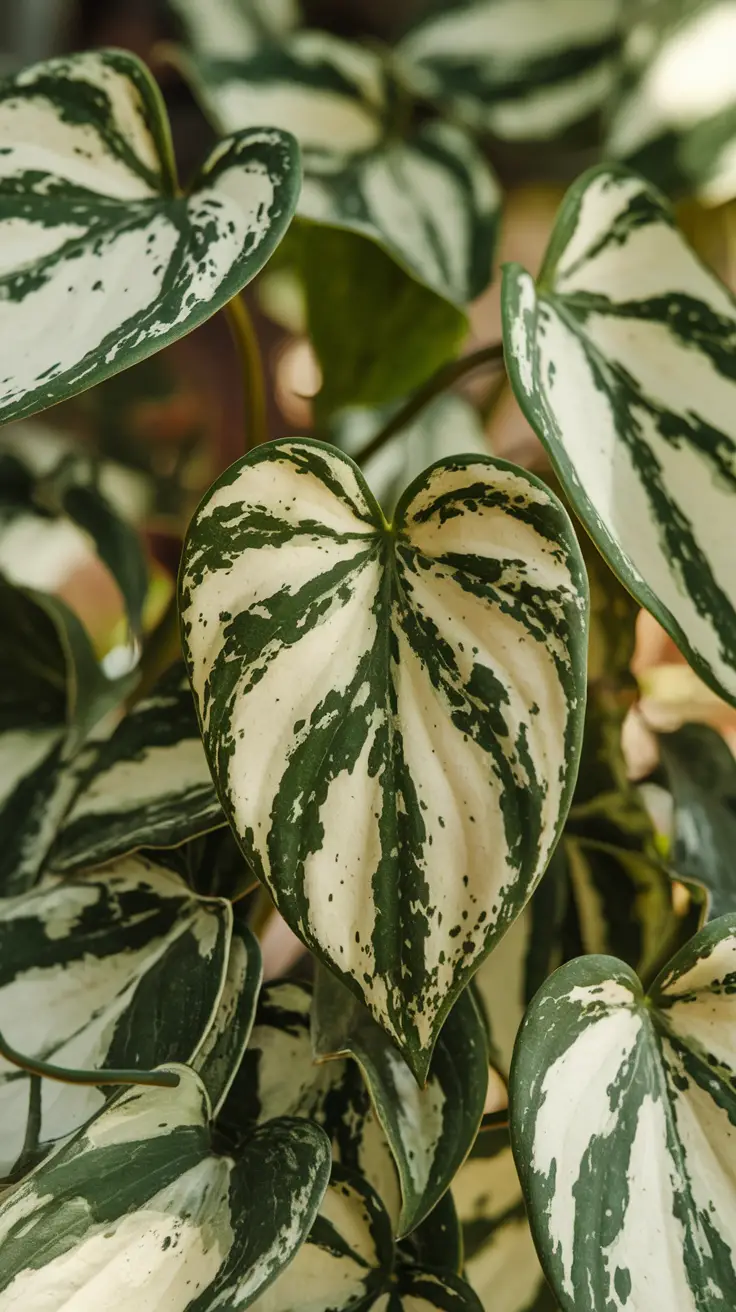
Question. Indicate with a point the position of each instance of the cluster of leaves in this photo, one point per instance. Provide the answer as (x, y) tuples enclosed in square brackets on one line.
[(400, 703)]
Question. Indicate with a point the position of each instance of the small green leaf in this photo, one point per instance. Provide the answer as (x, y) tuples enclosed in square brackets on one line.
[(146, 785), (109, 246), (700, 771), (138, 1201), (124, 970), (408, 793), (521, 71), (627, 335), (431, 1130), (622, 1115)]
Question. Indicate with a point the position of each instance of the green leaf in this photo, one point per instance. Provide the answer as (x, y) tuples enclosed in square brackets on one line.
[(280, 1077), (627, 335), (96, 235), (377, 333), (218, 1058), (422, 191), (521, 71), (348, 1255), (138, 1201), (234, 27), (448, 426), (622, 1114), (437, 1242), (677, 122), (146, 785), (124, 970), (418, 1290), (501, 1262), (430, 1130), (415, 782), (701, 776)]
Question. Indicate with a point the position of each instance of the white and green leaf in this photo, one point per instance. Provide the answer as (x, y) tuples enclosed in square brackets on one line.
[(410, 791), (137, 1206), (234, 28), (519, 69), (218, 1057), (627, 336), (501, 1263), (623, 1109), (96, 234), (425, 194), (676, 123), (145, 785), (124, 970), (430, 1130)]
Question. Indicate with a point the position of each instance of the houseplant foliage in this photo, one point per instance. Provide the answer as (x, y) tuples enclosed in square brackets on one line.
[(503, 1072)]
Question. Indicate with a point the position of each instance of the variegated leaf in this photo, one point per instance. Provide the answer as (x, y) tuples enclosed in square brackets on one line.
[(437, 1242), (137, 1211), (410, 788), (622, 1114), (700, 772), (146, 785), (417, 1290), (347, 1258), (627, 336), (427, 197), (125, 969), (520, 69), (234, 28), (677, 122), (280, 1077), (448, 426), (95, 234), (501, 1262), (218, 1058), (429, 1130)]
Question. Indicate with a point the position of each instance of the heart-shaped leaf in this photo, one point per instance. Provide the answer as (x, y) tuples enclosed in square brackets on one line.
[(138, 1207), (628, 337), (622, 1114), (122, 970), (520, 69), (431, 1130), (410, 787), (501, 1263), (146, 785), (683, 141), (95, 233)]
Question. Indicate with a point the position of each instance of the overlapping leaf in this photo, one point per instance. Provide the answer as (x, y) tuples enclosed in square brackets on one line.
[(411, 785), (622, 1116), (520, 69), (629, 338), (95, 234), (677, 122), (125, 970), (218, 1057), (137, 1210), (146, 785), (233, 28), (430, 1130), (501, 1263)]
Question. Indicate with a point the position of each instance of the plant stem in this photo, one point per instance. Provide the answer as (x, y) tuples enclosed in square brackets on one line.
[(254, 396), (34, 1066), (439, 382)]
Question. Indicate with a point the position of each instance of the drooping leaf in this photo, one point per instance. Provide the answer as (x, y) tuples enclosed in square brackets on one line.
[(409, 791), (138, 1211), (622, 1115), (234, 28), (628, 336), (429, 1130), (146, 785), (96, 236), (677, 122), (125, 969), (280, 1077), (448, 426), (501, 1262), (700, 771), (520, 69), (219, 1056)]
